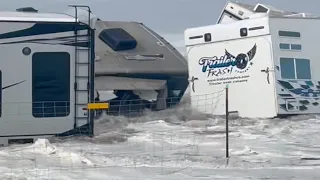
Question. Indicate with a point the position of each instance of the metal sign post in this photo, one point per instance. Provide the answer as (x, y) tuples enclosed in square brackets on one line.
[(227, 122)]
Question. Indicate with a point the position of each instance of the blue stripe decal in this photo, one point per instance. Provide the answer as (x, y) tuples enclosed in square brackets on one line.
[(44, 28), (79, 44), (63, 38), (68, 40)]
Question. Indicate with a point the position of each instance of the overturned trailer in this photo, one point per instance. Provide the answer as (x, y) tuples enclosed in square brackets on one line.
[(136, 68)]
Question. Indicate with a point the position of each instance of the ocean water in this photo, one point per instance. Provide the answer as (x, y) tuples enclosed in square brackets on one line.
[(171, 144)]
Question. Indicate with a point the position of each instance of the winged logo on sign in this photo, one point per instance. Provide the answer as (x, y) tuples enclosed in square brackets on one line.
[(243, 60)]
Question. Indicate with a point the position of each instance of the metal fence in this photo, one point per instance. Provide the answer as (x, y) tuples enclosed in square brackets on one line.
[(141, 144)]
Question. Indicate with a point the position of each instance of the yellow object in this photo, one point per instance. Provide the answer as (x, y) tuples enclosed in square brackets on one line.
[(98, 106)]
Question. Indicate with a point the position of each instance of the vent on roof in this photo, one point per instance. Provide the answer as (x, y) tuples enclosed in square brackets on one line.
[(118, 39), (27, 9), (261, 9)]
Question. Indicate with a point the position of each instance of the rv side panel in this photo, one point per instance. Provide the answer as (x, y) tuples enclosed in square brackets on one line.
[(37, 78), (296, 57)]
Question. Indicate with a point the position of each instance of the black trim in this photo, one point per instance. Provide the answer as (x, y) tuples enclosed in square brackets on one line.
[(13, 85), (256, 28), (91, 83), (196, 37), (285, 95)]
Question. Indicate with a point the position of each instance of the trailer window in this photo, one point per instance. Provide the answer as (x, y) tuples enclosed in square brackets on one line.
[(284, 46), (289, 34), (50, 84), (287, 68), (303, 69), (290, 46), (296, 46), (295, 68)]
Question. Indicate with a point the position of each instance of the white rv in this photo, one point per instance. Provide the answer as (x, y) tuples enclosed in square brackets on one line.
[(269, 60), (47, 75)]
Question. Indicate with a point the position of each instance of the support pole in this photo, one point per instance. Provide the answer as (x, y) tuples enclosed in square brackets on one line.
[(227, 121)]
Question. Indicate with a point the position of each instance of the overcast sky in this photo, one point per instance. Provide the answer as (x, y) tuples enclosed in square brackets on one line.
[(167, 17)]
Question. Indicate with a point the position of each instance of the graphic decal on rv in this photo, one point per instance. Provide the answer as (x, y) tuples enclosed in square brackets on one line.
[(67, 40), (300, 89), (306, 94), (228, 63), (44, 28)]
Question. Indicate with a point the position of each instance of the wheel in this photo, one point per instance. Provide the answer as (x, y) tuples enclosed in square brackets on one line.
[(131, 104)]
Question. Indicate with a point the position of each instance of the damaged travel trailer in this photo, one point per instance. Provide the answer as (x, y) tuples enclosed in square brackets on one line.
[(54, 64), (136, 68), (267, 59)]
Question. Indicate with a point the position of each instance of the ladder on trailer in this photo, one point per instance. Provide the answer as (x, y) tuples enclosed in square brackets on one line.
[(83, 76)]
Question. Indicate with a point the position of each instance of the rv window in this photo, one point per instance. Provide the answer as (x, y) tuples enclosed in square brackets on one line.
[(296, 46), (287, 68), (50, 84), (290, 46), (289, 34), (303, 69), (284, 46), (261, 9)]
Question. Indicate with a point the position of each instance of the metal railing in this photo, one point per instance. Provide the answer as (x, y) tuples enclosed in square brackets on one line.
[(37, 109)]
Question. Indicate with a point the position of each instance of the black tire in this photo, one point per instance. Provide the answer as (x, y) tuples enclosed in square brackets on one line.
[(131, 104)]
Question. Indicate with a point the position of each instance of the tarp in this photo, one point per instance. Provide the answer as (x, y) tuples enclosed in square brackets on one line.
[(104, 83)]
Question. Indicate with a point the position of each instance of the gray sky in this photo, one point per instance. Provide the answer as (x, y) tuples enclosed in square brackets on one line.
[(167, 17)]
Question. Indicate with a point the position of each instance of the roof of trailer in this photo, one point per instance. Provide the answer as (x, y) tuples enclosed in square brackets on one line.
[(36, 17), (276, 12)]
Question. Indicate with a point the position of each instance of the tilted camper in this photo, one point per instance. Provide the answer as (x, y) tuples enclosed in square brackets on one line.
[(136, 68), (267, 59)]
